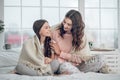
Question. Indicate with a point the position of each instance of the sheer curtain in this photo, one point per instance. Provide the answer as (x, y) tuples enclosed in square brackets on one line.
[(19, 16)]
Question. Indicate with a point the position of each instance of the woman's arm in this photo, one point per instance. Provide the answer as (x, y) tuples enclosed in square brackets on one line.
[(71, 57), (52, 55), (67, 56), (78, 56), (74, 56)]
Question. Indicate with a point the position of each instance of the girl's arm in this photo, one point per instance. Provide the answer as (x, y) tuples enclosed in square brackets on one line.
[(48, 60)]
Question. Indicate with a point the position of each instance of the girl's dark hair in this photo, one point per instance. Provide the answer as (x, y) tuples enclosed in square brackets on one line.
[(77, 28), (36, 28), (47, 52)]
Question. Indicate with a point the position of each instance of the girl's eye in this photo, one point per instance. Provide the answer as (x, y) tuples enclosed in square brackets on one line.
[(47, 27), (69, 24)]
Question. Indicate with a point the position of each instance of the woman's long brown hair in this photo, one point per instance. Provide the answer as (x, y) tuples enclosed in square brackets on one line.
[(37, 27), (77, 28)]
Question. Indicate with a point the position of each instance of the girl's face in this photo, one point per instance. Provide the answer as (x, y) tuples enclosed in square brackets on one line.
[(67, 23), (45, 30)]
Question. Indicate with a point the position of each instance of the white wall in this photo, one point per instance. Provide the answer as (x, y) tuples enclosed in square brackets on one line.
[(119, 25), (81, 4)]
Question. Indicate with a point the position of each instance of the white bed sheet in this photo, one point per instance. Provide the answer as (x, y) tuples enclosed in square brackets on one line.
[(80, 76)]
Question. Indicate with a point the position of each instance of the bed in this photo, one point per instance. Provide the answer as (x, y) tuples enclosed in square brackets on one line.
[(8, 61)]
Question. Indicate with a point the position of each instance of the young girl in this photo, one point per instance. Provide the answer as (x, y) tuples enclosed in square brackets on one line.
[(36, 55)]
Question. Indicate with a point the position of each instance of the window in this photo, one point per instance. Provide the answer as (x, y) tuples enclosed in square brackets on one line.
[(101, 18), (19, 16)]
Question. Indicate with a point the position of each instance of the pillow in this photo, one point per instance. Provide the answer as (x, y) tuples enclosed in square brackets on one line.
[(9, 58)]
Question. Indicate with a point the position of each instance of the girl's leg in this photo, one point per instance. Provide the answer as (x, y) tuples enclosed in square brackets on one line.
[(24, 70), (55, 64)]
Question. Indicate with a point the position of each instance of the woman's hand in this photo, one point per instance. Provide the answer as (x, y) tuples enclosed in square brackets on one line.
[(47, 60), (76, 59), (55, 47)]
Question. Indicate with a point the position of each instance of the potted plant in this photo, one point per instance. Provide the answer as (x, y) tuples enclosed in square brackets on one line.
[(1, 26), (1, 34)]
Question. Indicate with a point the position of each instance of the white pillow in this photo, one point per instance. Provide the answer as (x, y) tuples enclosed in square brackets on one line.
[(9, 58)]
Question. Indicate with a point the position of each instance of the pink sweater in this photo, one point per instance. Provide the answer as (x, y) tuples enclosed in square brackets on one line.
[(67, 53)]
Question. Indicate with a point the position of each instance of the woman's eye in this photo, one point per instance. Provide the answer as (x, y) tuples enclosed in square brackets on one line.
[(46, 27), (64, 22)]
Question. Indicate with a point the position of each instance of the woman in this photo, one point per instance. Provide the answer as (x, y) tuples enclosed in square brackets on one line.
[(72, 45), (36, 54)]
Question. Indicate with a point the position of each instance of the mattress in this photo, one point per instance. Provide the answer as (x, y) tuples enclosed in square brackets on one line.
[(9, 59)]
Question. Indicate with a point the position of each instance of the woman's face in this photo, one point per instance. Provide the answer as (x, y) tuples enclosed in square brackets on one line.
[(67, 23), (45, 30)]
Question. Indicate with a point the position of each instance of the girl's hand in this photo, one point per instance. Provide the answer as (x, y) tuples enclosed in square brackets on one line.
[(47, 60), (55, 47)]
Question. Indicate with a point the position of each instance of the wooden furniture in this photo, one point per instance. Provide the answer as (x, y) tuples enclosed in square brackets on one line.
[(111, 58)]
